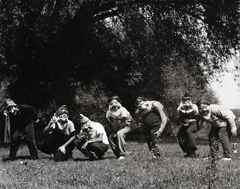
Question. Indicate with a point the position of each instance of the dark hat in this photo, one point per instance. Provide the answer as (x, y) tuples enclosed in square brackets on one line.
[(61, 110), (9, 102), (84, 119), (114, 98), (186, 97), (138, 100), (202, 102)]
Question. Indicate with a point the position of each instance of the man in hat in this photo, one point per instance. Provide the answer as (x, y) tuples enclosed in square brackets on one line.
[(223, 127), (92, 139), (22, 118), (61, 132), (186, 120), (150, 113), (121, 124)]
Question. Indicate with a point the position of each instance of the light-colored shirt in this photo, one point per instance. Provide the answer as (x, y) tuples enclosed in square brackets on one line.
[(221, 117), (96, 130), (115, 117)]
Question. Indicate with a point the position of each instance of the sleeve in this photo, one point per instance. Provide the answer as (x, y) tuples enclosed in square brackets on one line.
[(229, 117), (71, 127), (33, 112), (178, 116), (195, 109), (159, 107), (124, 113), (108, 115)]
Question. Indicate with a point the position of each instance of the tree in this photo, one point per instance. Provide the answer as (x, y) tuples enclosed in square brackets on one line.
[(47, 47)]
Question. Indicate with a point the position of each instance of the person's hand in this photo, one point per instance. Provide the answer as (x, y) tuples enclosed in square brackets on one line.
[(84, 145), (234, 133), (5, 112), (62, 149), (54, 119), (157, 134)]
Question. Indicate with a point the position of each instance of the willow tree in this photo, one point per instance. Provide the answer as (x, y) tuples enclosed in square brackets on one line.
[(135, 47)]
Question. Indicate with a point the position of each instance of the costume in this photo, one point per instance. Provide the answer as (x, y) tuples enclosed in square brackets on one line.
[(60, 133), (223, 125), (22, 118), (95, 139), (186, 119), (121, 122), (154, 120)]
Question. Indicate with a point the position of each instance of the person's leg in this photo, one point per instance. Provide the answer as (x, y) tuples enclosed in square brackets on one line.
[(212, 138), (121, 135), (113, 142), (14, 146), (98, 148), (32, 149), (30, 140), (80, 141), (154, 142), (181, 136), (225, 141), (191, 132)]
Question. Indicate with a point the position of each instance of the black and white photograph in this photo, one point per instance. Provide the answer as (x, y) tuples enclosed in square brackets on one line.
[(120, 94)]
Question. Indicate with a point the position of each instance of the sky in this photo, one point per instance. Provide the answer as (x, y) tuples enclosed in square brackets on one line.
[(228, 91)]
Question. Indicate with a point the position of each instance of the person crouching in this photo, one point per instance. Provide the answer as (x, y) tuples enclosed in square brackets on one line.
[(92, 139), (61, 132)]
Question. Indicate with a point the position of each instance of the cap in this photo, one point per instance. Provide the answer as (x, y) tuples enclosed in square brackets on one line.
[(84, 119), (9, 102), (61, 110)]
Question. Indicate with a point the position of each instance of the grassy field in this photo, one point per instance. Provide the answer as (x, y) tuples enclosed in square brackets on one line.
[(138, 170)]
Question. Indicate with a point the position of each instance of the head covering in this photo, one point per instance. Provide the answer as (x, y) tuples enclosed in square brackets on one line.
[(114, 98), (186, 96), (138, 100), (84, 119), (9, 102), (61, 110), (202, 102)]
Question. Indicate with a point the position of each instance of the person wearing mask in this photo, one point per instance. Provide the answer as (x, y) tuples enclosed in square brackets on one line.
[(22, 119), (121, 123), (61, 132), (150, 113), (223, 127), (186, 120), (92, 139)]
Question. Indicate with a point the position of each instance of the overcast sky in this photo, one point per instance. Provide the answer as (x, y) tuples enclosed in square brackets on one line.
[(228, 91)]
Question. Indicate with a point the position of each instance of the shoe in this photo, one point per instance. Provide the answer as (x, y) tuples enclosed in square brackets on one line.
[(92, 158), (100, 157), (226, 159), (155, 154), (34, 157), (193, 155), (121, 157), (10, 158)]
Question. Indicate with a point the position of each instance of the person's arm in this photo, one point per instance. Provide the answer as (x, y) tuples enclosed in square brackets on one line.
[(229, 117), (63, 147), (158, 106), (72, 132), (31, 111), (51, 125), (99, 138)]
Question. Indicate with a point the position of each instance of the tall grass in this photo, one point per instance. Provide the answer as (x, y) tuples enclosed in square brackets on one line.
[(138, 170)]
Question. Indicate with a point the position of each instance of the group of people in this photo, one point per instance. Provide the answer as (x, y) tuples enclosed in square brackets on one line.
[(192, 117), (93, 141)]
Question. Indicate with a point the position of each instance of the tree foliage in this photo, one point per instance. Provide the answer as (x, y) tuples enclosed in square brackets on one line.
[(54, 51)]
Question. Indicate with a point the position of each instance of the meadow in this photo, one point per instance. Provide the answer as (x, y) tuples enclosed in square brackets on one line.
[(138, 170)]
